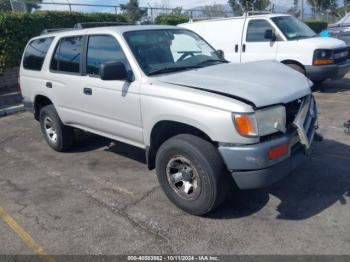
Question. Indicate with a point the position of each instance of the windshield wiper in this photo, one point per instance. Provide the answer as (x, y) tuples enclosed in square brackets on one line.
[(203, 63), (303, 36), (170, 70), (181, 68)]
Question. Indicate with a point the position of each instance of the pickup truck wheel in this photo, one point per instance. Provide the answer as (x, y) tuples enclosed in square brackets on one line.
[(192, 174), (319, 82), (58, 136)]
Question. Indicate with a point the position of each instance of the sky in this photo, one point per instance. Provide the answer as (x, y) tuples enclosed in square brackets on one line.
[(172, 3), (186, 4)]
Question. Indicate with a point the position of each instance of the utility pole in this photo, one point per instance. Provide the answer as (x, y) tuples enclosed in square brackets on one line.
[(302, 10), (12, 8)]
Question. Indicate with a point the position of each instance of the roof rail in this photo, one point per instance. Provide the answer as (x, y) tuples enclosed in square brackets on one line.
[(250, 13), (99, 24), (53, 30), (83, 26)]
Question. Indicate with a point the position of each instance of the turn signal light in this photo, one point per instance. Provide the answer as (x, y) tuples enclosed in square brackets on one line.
[(246, 125), (277, 152), (323, 62)]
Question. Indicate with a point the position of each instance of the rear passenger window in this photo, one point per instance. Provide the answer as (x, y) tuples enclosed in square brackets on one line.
[(103, 49), (35, 53), (256, 30), (67, 55)]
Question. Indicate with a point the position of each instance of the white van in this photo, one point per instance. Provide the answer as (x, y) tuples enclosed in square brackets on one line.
[(276, 36)]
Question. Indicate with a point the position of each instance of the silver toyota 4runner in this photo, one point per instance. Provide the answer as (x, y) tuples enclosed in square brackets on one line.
[(206, 125)]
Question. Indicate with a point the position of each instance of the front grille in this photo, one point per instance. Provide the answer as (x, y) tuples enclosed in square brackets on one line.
[(292, 110), (306, 121), (340, 55)]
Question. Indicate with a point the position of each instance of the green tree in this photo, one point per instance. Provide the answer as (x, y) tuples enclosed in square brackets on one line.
[(5, 5), (20, 5), (318, 6), (133, 10), (176, 11), (32, 4), (249, 5), (295, 9), (346, 7), (214, 11)]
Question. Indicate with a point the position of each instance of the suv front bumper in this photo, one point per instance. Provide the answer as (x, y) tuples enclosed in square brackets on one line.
[(250, 165), (323, 72)]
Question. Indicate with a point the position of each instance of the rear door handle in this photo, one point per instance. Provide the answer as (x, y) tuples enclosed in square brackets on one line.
[(87, 91), (236, 48), (48, 84)]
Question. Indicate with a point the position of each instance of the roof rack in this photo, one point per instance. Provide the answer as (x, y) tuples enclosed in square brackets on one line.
[(99, 24), (83, 26), (54, 30)]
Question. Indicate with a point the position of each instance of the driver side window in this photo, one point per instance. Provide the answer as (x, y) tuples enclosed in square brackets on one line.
[(256, 30), (103, 49)]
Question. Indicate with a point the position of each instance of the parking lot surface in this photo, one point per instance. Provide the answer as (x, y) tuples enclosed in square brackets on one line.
[(99, 198)]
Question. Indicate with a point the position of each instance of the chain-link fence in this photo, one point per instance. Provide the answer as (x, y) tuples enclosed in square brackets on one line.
[(204, 12)]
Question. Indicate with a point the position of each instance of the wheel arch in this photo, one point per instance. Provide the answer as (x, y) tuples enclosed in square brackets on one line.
[(39, 102), (291, 61), (166, 129)]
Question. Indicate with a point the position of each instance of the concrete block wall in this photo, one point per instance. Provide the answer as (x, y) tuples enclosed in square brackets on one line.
[(9, 79)]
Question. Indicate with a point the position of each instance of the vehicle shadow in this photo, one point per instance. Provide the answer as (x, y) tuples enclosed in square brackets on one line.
[(321, 182), (333, 86), (85, 142)]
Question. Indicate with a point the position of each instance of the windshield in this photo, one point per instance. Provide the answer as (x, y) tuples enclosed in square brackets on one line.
[(293, 28), (169, 50)]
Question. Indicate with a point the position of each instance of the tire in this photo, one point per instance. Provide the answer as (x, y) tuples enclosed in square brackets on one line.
[(209, 175), (319, 82), (59, 137), (298, 68)]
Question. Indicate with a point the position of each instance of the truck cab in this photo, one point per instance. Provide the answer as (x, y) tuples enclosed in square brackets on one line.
[(276, 37)]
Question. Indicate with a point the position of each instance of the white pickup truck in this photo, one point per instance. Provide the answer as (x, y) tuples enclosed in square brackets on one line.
[(276, 37)]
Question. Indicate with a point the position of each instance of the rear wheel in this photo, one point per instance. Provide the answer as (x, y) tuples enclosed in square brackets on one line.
[(192, 174), (58, 136)]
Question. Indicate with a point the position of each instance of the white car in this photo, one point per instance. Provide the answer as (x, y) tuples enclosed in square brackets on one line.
[(276, 37), (204, 123)]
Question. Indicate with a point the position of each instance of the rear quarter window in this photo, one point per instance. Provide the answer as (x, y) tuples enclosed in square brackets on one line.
[(35, 53)]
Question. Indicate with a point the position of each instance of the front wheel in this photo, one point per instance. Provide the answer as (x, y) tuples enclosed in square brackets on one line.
[(192, 174)]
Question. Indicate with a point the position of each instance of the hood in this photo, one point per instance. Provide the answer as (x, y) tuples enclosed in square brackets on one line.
[(260, 83), (324, 42)]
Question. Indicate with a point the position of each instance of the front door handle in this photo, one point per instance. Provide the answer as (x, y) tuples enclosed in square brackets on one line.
[(236, 48), (48, 84), (87, 91), (244, 48)]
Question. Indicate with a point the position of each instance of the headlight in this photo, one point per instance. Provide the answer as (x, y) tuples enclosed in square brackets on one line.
[(323, 57), (261, 123)]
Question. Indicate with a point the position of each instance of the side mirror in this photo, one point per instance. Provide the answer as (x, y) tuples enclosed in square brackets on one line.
[(270, 35), (220, 54), (114, 71)]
